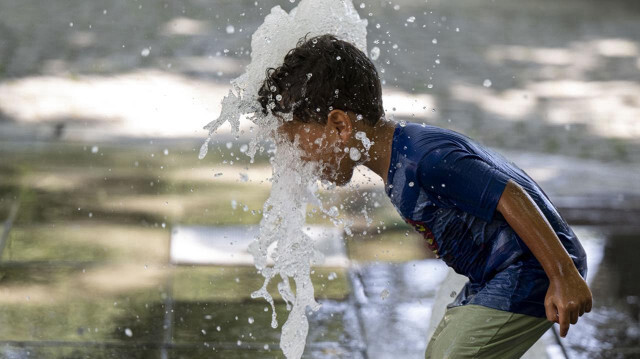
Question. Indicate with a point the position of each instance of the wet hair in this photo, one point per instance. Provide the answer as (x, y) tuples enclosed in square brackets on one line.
[(321, 74)]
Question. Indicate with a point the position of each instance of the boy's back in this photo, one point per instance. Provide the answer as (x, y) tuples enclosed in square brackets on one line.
[(448, 187)]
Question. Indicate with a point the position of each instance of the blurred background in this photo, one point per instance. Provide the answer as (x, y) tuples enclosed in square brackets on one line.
[(117, 242)]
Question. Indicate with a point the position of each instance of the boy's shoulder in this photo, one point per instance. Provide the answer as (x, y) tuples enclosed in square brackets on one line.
[(419, 140), (423, 129)]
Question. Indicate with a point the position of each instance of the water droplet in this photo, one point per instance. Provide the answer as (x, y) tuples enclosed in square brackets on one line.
[(375, 53), (94, 149), (411, 19), (230, 29), (204, 148), (354, 154), (384, 294), (145, 52), (486, 83), (128, 332)]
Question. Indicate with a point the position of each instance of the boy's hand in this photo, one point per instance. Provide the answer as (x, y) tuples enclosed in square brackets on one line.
[(567, 299)]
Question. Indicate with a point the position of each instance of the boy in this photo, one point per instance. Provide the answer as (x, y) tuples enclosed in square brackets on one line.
[(485, 217)]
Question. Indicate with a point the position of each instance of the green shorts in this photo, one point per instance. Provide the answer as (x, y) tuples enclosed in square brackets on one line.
[(474, 331)]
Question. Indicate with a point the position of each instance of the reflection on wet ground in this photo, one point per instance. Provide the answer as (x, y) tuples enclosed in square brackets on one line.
[(57, 308), (612, 329)]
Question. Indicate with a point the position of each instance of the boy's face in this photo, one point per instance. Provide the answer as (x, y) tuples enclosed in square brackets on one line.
[(323, 144)]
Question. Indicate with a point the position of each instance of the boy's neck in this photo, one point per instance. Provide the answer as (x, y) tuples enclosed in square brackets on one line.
[(380, 152)]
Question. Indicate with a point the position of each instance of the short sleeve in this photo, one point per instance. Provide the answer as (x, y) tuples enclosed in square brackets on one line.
[(462, 179)]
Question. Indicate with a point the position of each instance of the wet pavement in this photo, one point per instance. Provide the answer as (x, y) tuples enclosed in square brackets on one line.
[(87, 268), (612, 330), (58, 307), (395, 302)]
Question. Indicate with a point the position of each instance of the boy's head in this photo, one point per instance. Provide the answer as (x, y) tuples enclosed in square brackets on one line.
[(333, 91)]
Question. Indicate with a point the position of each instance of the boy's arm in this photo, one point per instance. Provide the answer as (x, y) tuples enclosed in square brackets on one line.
[(568, 296)]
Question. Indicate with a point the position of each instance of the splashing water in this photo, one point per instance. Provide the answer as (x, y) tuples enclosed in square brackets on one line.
[(294, 183)]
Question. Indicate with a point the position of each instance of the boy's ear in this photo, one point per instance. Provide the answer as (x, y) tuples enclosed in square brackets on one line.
[(340, 121)]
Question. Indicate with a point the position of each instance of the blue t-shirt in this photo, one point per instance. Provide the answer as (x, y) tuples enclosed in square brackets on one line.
[(448, 187)]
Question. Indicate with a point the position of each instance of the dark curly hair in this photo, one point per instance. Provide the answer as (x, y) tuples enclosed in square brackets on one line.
[(321, 74)]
